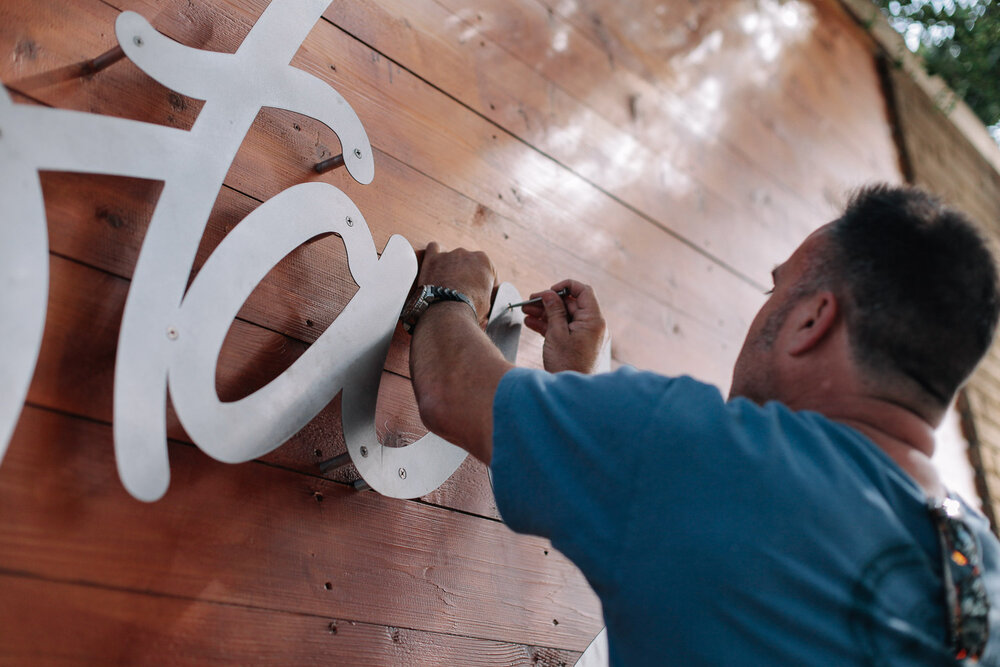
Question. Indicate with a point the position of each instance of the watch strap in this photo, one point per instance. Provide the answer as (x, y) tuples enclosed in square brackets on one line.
[(426, 297)]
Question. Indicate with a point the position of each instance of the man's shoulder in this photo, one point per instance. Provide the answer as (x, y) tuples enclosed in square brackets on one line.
[(626, 380), (626, 397), (674, 409)]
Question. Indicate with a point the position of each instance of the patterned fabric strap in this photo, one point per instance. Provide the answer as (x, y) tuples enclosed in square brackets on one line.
[(965, 592)]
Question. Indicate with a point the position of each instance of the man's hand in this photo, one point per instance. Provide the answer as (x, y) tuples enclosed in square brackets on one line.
[(471, 273), (574, 329), (454, 366)]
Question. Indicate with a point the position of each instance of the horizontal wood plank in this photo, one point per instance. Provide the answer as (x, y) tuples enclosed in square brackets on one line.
[(805, 55), (598, 235), (656, 173), (754, 151), (560, 144), (259, 536), (75, 374), (63, 623)]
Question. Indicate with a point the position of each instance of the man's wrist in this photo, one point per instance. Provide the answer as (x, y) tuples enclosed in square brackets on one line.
[(443, 308), (426, 296)]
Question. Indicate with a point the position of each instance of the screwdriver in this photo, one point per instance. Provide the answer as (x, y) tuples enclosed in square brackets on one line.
[(510, 306)]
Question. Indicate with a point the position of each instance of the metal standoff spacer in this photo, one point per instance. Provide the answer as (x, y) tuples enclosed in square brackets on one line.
[(106, 59), (336, 462), (361, 485), (329, 164)]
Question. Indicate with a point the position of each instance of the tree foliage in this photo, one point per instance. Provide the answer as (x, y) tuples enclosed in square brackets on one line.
[(960, 41)]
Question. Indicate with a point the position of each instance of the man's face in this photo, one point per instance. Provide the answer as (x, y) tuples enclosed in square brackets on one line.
[(756, 375)]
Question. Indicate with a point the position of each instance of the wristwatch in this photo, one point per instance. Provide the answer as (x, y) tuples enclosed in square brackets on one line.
[(423, 297)]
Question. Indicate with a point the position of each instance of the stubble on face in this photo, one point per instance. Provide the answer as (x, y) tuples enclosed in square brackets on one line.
[(754, 373)]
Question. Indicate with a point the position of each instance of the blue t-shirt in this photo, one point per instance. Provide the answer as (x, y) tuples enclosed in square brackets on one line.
[(725, 533)]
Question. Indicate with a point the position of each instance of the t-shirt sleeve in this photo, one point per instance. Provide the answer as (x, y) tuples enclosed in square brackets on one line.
[(566, 448)]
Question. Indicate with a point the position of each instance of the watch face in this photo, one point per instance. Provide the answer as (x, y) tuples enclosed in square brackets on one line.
[(424, 299), (415, 307), (428, 295)]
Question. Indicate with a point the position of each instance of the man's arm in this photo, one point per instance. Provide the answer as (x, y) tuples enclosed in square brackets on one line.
[(455, 367), (456, 371)]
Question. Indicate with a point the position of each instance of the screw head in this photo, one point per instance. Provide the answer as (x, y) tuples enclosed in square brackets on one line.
[(137, 40), (402, 473), (172, 333), (364, 451), (350, 221), (357, 153)]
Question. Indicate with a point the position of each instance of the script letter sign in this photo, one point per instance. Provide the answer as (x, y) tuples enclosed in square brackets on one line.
[(171, 338)]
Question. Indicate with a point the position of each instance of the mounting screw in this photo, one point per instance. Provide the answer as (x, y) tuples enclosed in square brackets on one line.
[(350, 222), (137, 40), (172, 333), (402, 473), (357, 153), (364, 451)]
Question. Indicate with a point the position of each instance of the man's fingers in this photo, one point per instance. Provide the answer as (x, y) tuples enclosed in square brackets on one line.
[(587, 300), (425, 257), (575, 287), (555, 312), (536, 324), (533, 309), (584, 297)]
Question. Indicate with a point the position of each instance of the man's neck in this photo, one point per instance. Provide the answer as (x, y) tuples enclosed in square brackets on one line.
[(905, 436)]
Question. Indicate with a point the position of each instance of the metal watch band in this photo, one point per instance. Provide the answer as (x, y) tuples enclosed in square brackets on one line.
[(427, 296)]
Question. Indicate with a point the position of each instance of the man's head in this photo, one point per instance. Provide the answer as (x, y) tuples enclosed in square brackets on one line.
[(910, 282)]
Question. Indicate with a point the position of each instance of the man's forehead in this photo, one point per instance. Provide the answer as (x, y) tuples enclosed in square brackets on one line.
[(814, 240), (822, 230), (801, 254)]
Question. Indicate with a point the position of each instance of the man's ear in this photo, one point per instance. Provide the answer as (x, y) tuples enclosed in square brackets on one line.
[(813, 318)]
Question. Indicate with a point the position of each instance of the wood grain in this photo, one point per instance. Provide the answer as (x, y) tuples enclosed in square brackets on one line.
[(91, 625), (560, 85), (599, 233), (260, 536), (75, 374), (563, 143)]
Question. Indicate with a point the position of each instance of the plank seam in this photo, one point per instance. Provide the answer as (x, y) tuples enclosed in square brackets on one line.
[(649, 219), (317, 476), (743, 278), (24, 574), (772, 178)]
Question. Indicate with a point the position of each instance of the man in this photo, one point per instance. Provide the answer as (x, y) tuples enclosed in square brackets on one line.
[(801, 522)]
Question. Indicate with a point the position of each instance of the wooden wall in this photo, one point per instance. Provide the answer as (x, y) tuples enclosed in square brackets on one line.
[(668, 153)]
